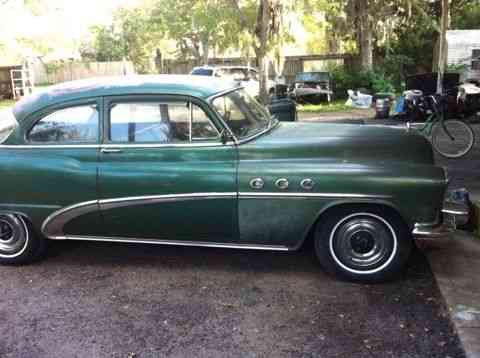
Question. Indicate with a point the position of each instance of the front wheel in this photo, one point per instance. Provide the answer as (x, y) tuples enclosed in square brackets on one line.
[(363, 244), (452, 138)]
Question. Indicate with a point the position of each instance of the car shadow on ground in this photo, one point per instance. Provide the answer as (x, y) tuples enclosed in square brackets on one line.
[(186, 257)]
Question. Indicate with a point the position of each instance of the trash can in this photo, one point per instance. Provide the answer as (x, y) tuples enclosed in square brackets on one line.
[(382, 108), (283, 109)]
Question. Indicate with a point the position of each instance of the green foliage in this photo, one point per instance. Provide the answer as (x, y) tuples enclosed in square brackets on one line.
[(375, 81), (132, 36), (138, 36), (466, 16), (456, 68), (107, 45), (198, 27), (397, 66)]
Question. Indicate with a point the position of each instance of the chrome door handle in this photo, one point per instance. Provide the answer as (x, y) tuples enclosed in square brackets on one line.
[(111, 150)]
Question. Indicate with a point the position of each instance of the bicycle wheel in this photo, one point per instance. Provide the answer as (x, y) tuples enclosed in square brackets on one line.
[(453, 138)]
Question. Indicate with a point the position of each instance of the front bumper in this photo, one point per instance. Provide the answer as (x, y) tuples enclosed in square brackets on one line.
[(453, 214)]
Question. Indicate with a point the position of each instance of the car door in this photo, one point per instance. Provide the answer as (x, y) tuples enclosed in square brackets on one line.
[(59, 169), (164, 173)]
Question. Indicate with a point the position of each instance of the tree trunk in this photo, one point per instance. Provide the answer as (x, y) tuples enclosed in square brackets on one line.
[(205, 43), (263, 21), (365, 36), (442, 48)]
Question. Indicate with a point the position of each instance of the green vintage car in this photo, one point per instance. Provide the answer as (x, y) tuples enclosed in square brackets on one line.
[(180, 160)]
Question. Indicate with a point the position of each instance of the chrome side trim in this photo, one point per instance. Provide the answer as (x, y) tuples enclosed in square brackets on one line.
[(163, 145), (176, 242), (106, 204), (35, 206), (114, 146), (54, 223), (300, 195), (49, 146)]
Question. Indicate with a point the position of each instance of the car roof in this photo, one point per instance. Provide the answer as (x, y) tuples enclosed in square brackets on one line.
[(209, 67), (195, 86)]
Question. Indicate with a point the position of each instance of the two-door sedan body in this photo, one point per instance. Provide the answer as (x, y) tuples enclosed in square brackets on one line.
[(185, 160)]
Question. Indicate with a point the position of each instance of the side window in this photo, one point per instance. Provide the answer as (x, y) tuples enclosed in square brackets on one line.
[(202, 128), (71, 125), (253, 75), (159, 122)]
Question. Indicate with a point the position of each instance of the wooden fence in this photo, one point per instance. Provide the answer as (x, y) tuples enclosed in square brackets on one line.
[(69, 71), (292, 64)]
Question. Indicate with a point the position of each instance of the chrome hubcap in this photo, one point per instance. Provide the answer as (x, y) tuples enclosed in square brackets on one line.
[(363, 242), (13, 235)]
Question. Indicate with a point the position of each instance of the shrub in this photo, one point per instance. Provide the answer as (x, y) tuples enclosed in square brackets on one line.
[(374, 81)]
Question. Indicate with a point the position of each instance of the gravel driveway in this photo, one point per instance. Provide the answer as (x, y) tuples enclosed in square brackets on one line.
[(120, 300)]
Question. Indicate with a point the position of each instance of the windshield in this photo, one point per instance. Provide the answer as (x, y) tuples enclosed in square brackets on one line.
[(201, 72), (244, 116), (7, 124), (312, 77)]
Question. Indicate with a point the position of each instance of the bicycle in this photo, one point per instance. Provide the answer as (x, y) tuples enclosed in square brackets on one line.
[(452, 138)]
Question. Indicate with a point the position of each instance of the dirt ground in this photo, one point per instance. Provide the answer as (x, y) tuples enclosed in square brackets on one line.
[(120, 300)]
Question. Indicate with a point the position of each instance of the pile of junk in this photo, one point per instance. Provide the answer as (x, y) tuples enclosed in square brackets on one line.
[(463, 99)]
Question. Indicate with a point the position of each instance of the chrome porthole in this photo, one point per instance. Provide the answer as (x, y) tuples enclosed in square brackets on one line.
[(257, 183), (13, 235), (281, 183), (307, 184)]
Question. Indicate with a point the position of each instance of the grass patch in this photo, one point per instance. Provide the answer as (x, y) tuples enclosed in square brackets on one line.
[(5, 103), (334, 106)]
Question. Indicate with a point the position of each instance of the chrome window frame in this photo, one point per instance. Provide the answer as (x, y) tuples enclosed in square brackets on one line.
[(236, 140), (159, 98), (36, 117)]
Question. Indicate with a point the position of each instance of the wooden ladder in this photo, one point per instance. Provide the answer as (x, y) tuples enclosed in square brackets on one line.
[(22, 82)]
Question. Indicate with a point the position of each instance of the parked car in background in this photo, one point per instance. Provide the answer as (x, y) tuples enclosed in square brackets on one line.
[(312, 88), (183, 160), (245, 76)]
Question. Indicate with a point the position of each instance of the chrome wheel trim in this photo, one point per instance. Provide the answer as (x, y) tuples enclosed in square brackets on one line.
[(363, 272), (14, 245)]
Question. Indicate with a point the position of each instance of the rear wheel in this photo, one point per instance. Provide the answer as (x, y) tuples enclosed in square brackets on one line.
[(452, 138), (363, 244), (18, 244)]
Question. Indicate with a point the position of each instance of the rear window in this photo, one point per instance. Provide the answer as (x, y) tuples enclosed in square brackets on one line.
[(8, 123), (202, 72)]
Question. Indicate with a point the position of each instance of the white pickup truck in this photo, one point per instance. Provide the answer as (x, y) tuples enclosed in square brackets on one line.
[(246, 76)]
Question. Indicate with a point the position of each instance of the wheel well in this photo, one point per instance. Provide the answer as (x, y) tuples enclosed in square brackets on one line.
[(352, 206)]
